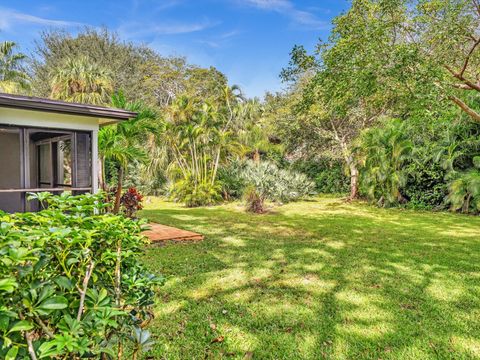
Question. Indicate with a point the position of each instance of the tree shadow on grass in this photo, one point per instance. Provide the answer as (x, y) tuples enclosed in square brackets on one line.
[(342, 281)]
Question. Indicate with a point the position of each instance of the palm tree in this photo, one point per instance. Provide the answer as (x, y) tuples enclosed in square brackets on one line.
[(82, 80), (12, 78), (382, 153), (121, 143)]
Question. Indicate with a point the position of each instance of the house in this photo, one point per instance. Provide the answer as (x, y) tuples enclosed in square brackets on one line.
[(49, 145)]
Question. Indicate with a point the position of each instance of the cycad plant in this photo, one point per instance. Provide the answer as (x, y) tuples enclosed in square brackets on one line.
[(464, 191), (382, 153), (12, 78)]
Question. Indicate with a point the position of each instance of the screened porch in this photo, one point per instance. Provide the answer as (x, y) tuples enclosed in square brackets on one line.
[(39, 159)]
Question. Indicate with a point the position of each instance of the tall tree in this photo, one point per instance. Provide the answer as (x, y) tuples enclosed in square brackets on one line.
[(81, 80), (344, 88), (447, 33), (13, 78), (124, 61)]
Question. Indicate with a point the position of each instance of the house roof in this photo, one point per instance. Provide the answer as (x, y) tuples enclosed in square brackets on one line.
[(56, 106)]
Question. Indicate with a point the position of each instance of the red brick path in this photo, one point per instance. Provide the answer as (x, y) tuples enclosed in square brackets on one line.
[(159, 233)]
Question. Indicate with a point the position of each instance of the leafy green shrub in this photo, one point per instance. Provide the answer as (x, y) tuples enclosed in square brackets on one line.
[(464, 190), (382, 154), (265, 181), (426, 187), (233, 183), (195, 194), (328, 175), (71, 284)]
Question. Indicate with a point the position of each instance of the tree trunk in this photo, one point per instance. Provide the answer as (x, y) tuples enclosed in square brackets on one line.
[(118, 194), (353, 178), (256, 156)]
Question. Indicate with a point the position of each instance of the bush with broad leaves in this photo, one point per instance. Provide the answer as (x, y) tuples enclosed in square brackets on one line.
[(71, 283)]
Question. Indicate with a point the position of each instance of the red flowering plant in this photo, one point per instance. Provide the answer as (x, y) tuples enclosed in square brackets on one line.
[(131, 202)]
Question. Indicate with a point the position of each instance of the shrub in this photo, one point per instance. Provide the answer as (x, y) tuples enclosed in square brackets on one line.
[(131, 202), (426, 187), (265, 181), (192, 195), (382, 154), (71, 284), (233, 183), (464, 190), (328, 175)]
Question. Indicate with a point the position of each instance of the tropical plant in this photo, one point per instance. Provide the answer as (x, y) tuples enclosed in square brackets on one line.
[(12, 77), (231, 179), (120, 143), (199, 135), (464, 190), (71, 283), (81, 80), (265, 181), (328, 174), (381, 154), (131, 202)]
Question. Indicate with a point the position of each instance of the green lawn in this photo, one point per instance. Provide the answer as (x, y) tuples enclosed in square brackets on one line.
[(317, 280)]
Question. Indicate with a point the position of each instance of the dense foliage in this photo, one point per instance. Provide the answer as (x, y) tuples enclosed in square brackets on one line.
[(71, 284), (415, 61)]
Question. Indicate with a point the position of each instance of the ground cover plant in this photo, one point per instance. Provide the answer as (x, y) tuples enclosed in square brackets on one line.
[(323, 279), (71, 283)]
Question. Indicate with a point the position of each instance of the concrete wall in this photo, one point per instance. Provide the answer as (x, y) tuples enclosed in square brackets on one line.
[(10, 170)]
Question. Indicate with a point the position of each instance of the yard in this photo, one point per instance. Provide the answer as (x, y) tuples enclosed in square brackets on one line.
[(317, 279)]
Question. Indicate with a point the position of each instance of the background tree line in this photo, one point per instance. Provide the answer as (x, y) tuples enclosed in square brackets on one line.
[(386, 108)]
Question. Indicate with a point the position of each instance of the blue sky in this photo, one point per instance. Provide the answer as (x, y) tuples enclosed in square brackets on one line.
[(248, 40)]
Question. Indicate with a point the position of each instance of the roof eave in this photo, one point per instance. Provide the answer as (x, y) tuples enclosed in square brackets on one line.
[(47, 105)]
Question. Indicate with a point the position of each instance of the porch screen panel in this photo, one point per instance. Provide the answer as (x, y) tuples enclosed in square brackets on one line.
[(44, 166), (83, 172), (10, 169)]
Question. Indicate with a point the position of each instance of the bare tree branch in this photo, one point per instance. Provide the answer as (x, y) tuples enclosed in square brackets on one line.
[(463, 79), (472, 113)]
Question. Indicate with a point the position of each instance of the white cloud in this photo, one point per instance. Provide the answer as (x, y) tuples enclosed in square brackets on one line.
[(287, 8), (135, 30), (9, 18)]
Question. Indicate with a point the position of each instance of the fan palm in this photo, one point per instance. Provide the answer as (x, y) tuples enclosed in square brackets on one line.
[(82, 80), (12, 78)]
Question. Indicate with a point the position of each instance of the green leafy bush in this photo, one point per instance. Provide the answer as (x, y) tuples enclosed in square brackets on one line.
[(426, 187), (265, 181), (195, 194), (382, 154), (464, 190), (71, 284), (328, 175), (231, 178)]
